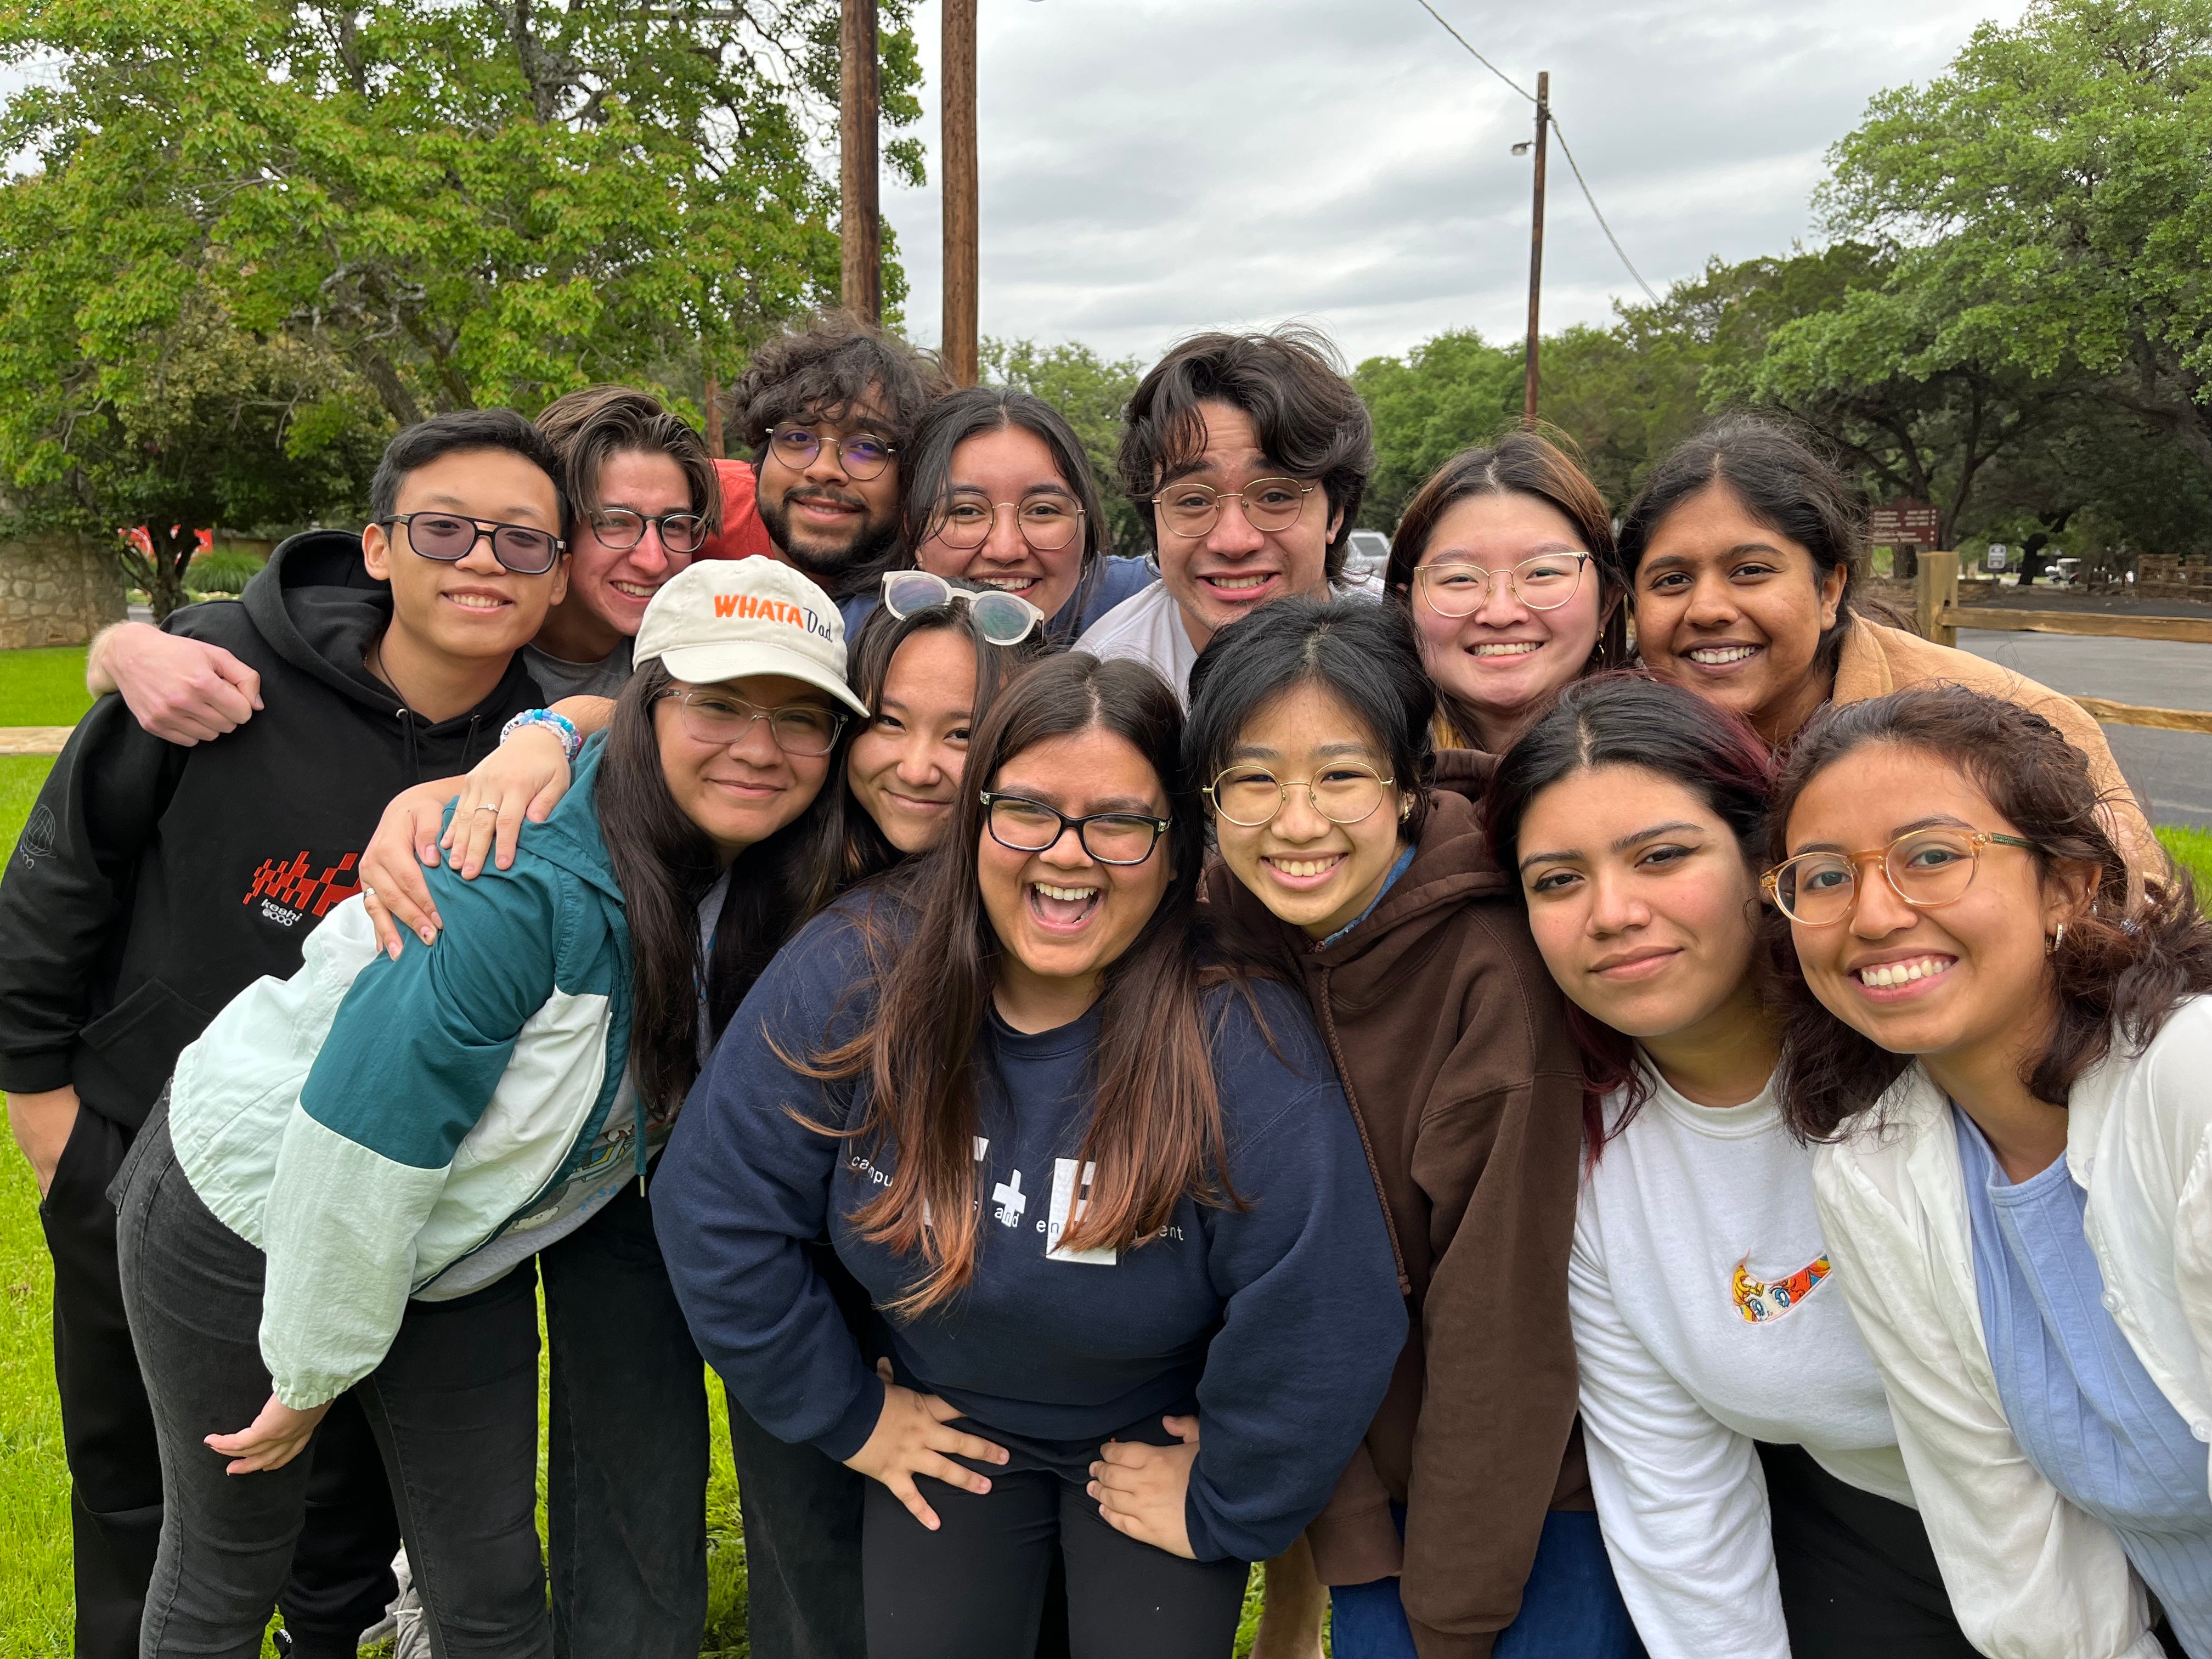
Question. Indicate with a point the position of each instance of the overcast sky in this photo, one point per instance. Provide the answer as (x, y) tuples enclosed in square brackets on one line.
[(1154, 166)]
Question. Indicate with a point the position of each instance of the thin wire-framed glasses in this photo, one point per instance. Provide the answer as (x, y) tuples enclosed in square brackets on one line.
[(709, 714), (1454, 588), (1191, 509), (1046, 523), (862, 454), (1926, 868), (449, 538), (1004, 618), (620, 529), (1022, 825), (1249, 796)]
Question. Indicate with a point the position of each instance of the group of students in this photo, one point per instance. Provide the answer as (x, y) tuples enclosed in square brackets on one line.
[(1557, 1152)]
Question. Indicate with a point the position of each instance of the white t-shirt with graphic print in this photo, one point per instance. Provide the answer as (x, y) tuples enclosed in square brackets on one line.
[(1705, 1320)]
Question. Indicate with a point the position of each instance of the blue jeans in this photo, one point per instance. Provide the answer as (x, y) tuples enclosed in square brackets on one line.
[(1571, 1608)]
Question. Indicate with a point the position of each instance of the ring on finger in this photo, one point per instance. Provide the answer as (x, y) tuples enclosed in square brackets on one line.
[(368, 893), (488, 807)]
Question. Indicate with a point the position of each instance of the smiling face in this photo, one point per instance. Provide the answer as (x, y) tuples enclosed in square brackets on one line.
[(745, 792), (905, 766), (1734, 610), (1015, 466), (1502, 659), (1640, 902), (476, 608), (1315, 874), (615, 585), (828, 523), (1062, 916), (1963, 984), (1233, 569)]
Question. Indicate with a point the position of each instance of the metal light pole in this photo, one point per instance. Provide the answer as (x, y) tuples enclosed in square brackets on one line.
[(860, 224), (1536, 246), (961, 215)]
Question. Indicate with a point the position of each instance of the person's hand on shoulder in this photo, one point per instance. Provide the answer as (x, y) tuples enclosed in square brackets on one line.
[(182, 691), (1140, 1489)]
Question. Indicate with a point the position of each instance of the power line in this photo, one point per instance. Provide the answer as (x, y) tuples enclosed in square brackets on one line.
[(1571, 164)]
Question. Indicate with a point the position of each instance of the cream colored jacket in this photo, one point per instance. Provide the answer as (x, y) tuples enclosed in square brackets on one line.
[(2030, 1576)]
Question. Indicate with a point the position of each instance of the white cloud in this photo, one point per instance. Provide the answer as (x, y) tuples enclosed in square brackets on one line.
[(1154, 166)]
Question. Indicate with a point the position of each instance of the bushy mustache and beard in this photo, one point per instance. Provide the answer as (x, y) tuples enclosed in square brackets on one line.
[(840, 564)]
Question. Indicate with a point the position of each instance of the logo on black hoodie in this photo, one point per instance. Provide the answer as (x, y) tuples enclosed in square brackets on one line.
[(287, 892)]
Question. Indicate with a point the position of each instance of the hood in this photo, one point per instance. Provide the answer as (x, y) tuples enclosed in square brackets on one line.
[(1465, 772), (570, 837)]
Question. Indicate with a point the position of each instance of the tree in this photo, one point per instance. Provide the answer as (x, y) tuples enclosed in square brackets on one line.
[(2055, 182), (1093, 393), (1446, 394)]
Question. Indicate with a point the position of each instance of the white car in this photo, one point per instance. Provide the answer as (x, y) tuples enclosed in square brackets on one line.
[(1368, 554)]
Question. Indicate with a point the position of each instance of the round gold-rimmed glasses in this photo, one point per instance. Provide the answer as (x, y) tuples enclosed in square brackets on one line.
[(1249, 796), (1269, 504), (1456, 588), (1926, 868), (1045, 523)]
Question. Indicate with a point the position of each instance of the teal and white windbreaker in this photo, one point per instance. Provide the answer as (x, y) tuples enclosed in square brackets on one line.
[(371, 1124)]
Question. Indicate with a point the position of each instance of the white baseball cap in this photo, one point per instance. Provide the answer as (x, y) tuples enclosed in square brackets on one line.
[(723, 619)]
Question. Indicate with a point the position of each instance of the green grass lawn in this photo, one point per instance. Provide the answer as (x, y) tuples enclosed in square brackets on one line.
[(42, 688), (2192, 850)]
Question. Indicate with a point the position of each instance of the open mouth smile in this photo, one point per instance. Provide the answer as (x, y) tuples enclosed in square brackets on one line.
[(1720, 656), (1062, 909), (1303, 875), (1888, 981), (1507, 648), (472, 600)]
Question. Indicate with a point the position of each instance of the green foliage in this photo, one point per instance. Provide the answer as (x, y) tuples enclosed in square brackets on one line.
[(1445, 395), (221, 572), (1093, 393)]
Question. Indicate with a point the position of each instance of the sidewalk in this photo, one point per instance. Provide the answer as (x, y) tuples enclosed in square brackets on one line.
[(32, 739)]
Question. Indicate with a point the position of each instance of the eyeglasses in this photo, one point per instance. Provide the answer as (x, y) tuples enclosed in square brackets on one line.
[(1543, 583), (1046, 525), (620, 530), (1927, 868), (1190, 509), (862, 454), (449, 539), (1249, 796), (723, 718), (1004, 618), (1022, 825)]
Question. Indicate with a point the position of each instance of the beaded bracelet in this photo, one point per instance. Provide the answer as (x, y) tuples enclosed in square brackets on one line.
[(572, 744)]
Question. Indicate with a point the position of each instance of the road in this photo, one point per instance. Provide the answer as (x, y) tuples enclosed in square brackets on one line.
[(2171, 770)]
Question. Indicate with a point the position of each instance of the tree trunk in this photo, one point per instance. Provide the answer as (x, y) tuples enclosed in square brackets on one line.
[(173, 547)]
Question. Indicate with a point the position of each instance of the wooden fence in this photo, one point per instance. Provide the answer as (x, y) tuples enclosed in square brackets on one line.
[(1940, 617)]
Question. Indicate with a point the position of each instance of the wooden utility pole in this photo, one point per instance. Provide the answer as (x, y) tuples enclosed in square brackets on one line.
[(1536, 246), (958, 74), (861, 226)]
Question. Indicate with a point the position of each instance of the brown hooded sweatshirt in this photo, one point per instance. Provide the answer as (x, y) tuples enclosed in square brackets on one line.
[(1448, 1033)]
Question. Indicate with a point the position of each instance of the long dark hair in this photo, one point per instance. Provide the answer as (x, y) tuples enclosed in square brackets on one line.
[(863, 849), (1629, 718), (1155, 1131), (665, 863), (1783, 481), (926, 475), (1518, 463), (2116, 973)]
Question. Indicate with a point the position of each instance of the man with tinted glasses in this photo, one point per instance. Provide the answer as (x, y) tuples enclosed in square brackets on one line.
[(155, 880)]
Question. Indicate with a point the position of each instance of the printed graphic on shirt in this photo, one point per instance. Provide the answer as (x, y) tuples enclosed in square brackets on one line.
[(1071, 1196), (1010, 1200), (286, 892), (1760, 1300)]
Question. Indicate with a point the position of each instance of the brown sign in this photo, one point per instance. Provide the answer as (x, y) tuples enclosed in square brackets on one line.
[(1905, 524)]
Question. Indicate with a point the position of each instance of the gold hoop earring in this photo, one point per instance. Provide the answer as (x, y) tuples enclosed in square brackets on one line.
[(1404, 810), (2050, 945)]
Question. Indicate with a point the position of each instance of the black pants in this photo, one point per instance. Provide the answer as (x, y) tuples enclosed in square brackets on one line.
[(341, 1575), (626, 1501), (454, 1407), (977, 1585), (1858, 1576)]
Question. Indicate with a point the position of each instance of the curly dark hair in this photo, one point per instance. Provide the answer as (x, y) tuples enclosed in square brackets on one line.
[(2118, 972), (823, 370)]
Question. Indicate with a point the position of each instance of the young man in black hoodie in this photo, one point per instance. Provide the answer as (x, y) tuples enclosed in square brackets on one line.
[(154, 881)]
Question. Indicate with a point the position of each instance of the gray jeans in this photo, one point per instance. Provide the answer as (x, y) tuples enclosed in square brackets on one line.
[(454, 1407)]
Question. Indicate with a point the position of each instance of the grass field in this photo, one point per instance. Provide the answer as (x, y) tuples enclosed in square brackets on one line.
[(42, 688)]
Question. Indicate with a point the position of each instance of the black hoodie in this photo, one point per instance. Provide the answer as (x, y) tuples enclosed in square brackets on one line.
[(153, 883)]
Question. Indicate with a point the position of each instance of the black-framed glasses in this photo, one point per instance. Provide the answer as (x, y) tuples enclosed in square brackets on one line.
[(710, 714), (1022, 825), (1249, 796), (862, 454), (449, 538), (1004, 618), (1926, 868), (620, 529), (1191, 509), (1454, 588), (1045, 523)]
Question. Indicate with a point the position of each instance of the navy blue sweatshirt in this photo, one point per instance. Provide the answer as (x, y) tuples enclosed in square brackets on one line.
[(1282, 1319)]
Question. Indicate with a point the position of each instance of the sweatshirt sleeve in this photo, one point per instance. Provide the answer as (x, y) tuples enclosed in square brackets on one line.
[(1498, 1158), (1314, 1320), (743, 1187), (411, 1063), (67, 893), (1680, 1499)]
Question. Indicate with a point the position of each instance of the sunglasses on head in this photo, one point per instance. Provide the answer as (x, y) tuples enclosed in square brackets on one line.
[(1004, 618), (449, 538)]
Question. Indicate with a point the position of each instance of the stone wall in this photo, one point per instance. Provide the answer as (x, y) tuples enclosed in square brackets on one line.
[(57, 589)]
